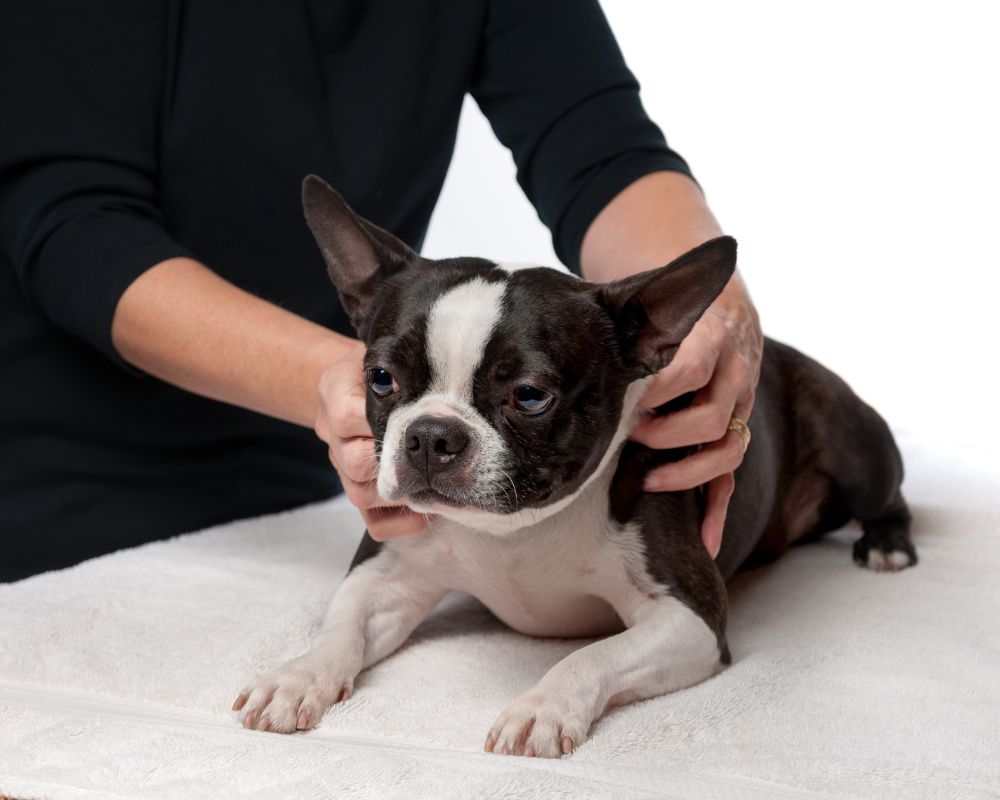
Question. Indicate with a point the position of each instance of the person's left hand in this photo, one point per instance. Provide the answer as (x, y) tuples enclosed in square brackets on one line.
[(720, 360)]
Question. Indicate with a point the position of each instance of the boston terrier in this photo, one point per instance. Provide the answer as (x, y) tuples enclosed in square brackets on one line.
[(501, 398)]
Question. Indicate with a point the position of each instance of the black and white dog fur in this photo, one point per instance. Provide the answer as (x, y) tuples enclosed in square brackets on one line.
[(501, 398)]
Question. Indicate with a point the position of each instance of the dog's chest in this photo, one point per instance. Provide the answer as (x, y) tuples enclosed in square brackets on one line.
[(570, 576)]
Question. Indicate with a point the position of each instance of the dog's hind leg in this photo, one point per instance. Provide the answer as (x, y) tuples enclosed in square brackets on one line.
[(867, 470)]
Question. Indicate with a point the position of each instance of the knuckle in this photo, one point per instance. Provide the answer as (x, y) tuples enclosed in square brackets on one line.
[(716, 423), (741, 373), (680, 366), (358, 456), (341, 415), (719, 334), (699, 372)]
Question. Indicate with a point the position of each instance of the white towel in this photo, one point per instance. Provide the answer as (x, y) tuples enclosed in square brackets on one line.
[(116, 676)]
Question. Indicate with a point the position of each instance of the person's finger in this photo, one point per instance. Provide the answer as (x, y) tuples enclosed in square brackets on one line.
[(698, 424), (744, 404), (708, 463), (361, 495), (346, 417), (705, 420), (718, 494), (356, 459), (693, 365), (388, 523), (364, 495), (686, 373)]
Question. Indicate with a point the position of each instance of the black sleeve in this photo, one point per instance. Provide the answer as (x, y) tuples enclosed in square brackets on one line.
[(81, 97), (556, 90)]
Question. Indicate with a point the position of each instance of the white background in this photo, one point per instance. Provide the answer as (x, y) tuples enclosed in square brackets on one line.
[(852, 148)]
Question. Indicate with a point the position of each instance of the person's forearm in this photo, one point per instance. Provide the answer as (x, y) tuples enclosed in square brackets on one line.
[(648, 224), (184, 324)]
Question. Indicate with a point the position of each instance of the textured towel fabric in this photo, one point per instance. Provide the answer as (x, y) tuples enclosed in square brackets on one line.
[(116, 676)]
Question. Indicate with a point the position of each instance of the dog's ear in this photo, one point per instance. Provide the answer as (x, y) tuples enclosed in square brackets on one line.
[(359, 255), (654, 310)]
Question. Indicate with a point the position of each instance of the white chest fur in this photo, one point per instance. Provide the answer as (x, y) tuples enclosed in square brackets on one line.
[(574, 573)]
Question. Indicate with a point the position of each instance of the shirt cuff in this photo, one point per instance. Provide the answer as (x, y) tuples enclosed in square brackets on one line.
[(86, 265), (608, 181)]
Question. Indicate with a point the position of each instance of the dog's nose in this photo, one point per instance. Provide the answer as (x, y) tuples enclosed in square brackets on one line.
[(434, 442)]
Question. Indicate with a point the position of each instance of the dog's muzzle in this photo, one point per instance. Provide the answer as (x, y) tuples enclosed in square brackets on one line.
[(438, 460)]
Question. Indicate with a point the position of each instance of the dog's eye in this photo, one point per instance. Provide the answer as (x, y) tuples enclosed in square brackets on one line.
[(530, 400), (381, 382)]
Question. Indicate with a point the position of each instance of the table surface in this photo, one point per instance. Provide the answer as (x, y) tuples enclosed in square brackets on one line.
[(116, 676)]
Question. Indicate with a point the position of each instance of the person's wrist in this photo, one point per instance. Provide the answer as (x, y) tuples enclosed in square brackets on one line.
[(330, 349)]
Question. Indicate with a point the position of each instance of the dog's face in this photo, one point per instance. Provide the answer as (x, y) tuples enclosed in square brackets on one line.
[(494, 392)]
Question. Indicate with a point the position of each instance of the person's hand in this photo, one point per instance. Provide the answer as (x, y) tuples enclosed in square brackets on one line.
[(720, 360), (341, 423)]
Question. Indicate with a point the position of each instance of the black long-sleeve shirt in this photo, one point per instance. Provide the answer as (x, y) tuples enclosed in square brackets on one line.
[(132, 132)]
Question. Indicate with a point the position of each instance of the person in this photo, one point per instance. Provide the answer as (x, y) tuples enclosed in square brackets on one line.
[(173, 354)]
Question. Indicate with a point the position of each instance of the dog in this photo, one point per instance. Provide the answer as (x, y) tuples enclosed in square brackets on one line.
[(501, 398)]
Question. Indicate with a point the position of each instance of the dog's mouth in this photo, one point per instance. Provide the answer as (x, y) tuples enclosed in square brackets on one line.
[(459, 488), (432, 497)]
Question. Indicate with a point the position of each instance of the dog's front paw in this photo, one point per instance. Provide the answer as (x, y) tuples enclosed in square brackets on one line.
[(540, 723), (294, 697)]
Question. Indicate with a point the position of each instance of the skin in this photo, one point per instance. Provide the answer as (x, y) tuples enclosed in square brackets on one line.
[(650, 223), (184, 324)]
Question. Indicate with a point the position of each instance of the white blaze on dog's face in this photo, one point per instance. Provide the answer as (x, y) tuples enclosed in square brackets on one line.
[(440, 439), (494, 394)]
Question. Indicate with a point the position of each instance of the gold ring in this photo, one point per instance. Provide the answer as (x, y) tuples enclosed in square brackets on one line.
[(738, 425)]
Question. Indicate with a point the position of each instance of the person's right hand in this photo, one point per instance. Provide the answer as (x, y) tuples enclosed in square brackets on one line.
[(341, 423)]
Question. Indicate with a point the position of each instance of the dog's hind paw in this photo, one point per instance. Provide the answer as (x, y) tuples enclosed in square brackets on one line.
[(883, 558)]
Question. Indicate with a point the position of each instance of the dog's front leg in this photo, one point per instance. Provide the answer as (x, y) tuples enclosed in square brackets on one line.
[(375, 609), (667, 647)]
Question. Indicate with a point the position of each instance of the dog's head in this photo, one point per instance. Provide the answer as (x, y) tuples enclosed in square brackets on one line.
[(496, 392)]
